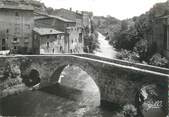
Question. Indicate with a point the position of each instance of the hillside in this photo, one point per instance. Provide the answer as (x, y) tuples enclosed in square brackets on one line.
[(106, 25), (140, 39)]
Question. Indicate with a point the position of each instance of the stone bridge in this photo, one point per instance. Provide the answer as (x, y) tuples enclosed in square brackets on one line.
[(118, 81)]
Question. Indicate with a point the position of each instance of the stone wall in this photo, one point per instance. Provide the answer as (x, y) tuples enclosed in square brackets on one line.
[(22, 30)]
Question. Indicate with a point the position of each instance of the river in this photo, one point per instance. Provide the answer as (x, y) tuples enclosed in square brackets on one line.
[(75, 96), (105, 50)]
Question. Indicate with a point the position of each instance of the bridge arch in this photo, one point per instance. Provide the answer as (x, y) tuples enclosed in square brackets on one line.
[(89, 70), (91, 86)]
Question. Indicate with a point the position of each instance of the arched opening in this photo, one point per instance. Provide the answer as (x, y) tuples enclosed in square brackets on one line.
[(32, 79), (75, 90), (82, 85)]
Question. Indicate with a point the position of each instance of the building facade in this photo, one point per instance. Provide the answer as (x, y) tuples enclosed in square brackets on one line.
[(75, 39), (73, 34), (165, 42), (16, 25), (159, 35), (48, 41)]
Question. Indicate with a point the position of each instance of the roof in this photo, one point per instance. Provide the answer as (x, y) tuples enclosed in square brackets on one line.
[(165, 17), (18, 7), (61, 18), (47, 31), (55, 17)]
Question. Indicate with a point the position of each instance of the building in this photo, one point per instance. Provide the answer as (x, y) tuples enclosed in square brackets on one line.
[(56, 22), (73, 34), (82, 18), (164, 34), (48, 41), (71, 15), (16, 25), (159, 35), (75, 39)]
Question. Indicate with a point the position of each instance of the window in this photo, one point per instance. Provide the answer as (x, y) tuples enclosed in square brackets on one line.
[(7, 31), (15, 39), (67, 25), (16, 14), (80, 37), (47, 44), (14, 47), (3, 48), (27, 26), (3, 41), (48, 36)]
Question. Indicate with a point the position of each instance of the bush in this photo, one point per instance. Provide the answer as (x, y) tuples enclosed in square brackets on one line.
[(159, 60), (129, 110), (128, 56)]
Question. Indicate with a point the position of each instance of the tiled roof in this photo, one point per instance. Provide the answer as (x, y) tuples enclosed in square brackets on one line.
[(47, 31)]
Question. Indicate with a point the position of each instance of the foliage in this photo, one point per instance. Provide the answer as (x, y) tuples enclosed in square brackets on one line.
[(106, 25), (134, 36), (128, 56), (159, 60), (145, 50), (129, 110), (90, 38), (91, 42)]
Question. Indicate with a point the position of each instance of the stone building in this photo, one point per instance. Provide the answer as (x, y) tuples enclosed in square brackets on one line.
[(164, 35), (73, 36), (159, 35), (82, 18), (48, 41), (16, 24), (75, 39), (71, 15), (56, 22)]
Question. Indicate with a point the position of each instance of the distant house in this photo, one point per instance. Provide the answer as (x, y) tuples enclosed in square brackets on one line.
[(16, 24), (82, 18), (48, 41)]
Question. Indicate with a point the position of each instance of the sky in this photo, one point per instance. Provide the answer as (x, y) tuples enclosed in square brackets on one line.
[(120, 9)]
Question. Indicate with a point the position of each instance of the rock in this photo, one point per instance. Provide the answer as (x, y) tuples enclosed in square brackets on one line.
[(151, 103)]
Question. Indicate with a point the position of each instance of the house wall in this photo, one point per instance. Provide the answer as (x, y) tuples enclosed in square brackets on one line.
[(16, 24), (75, 40), (49, 44)]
